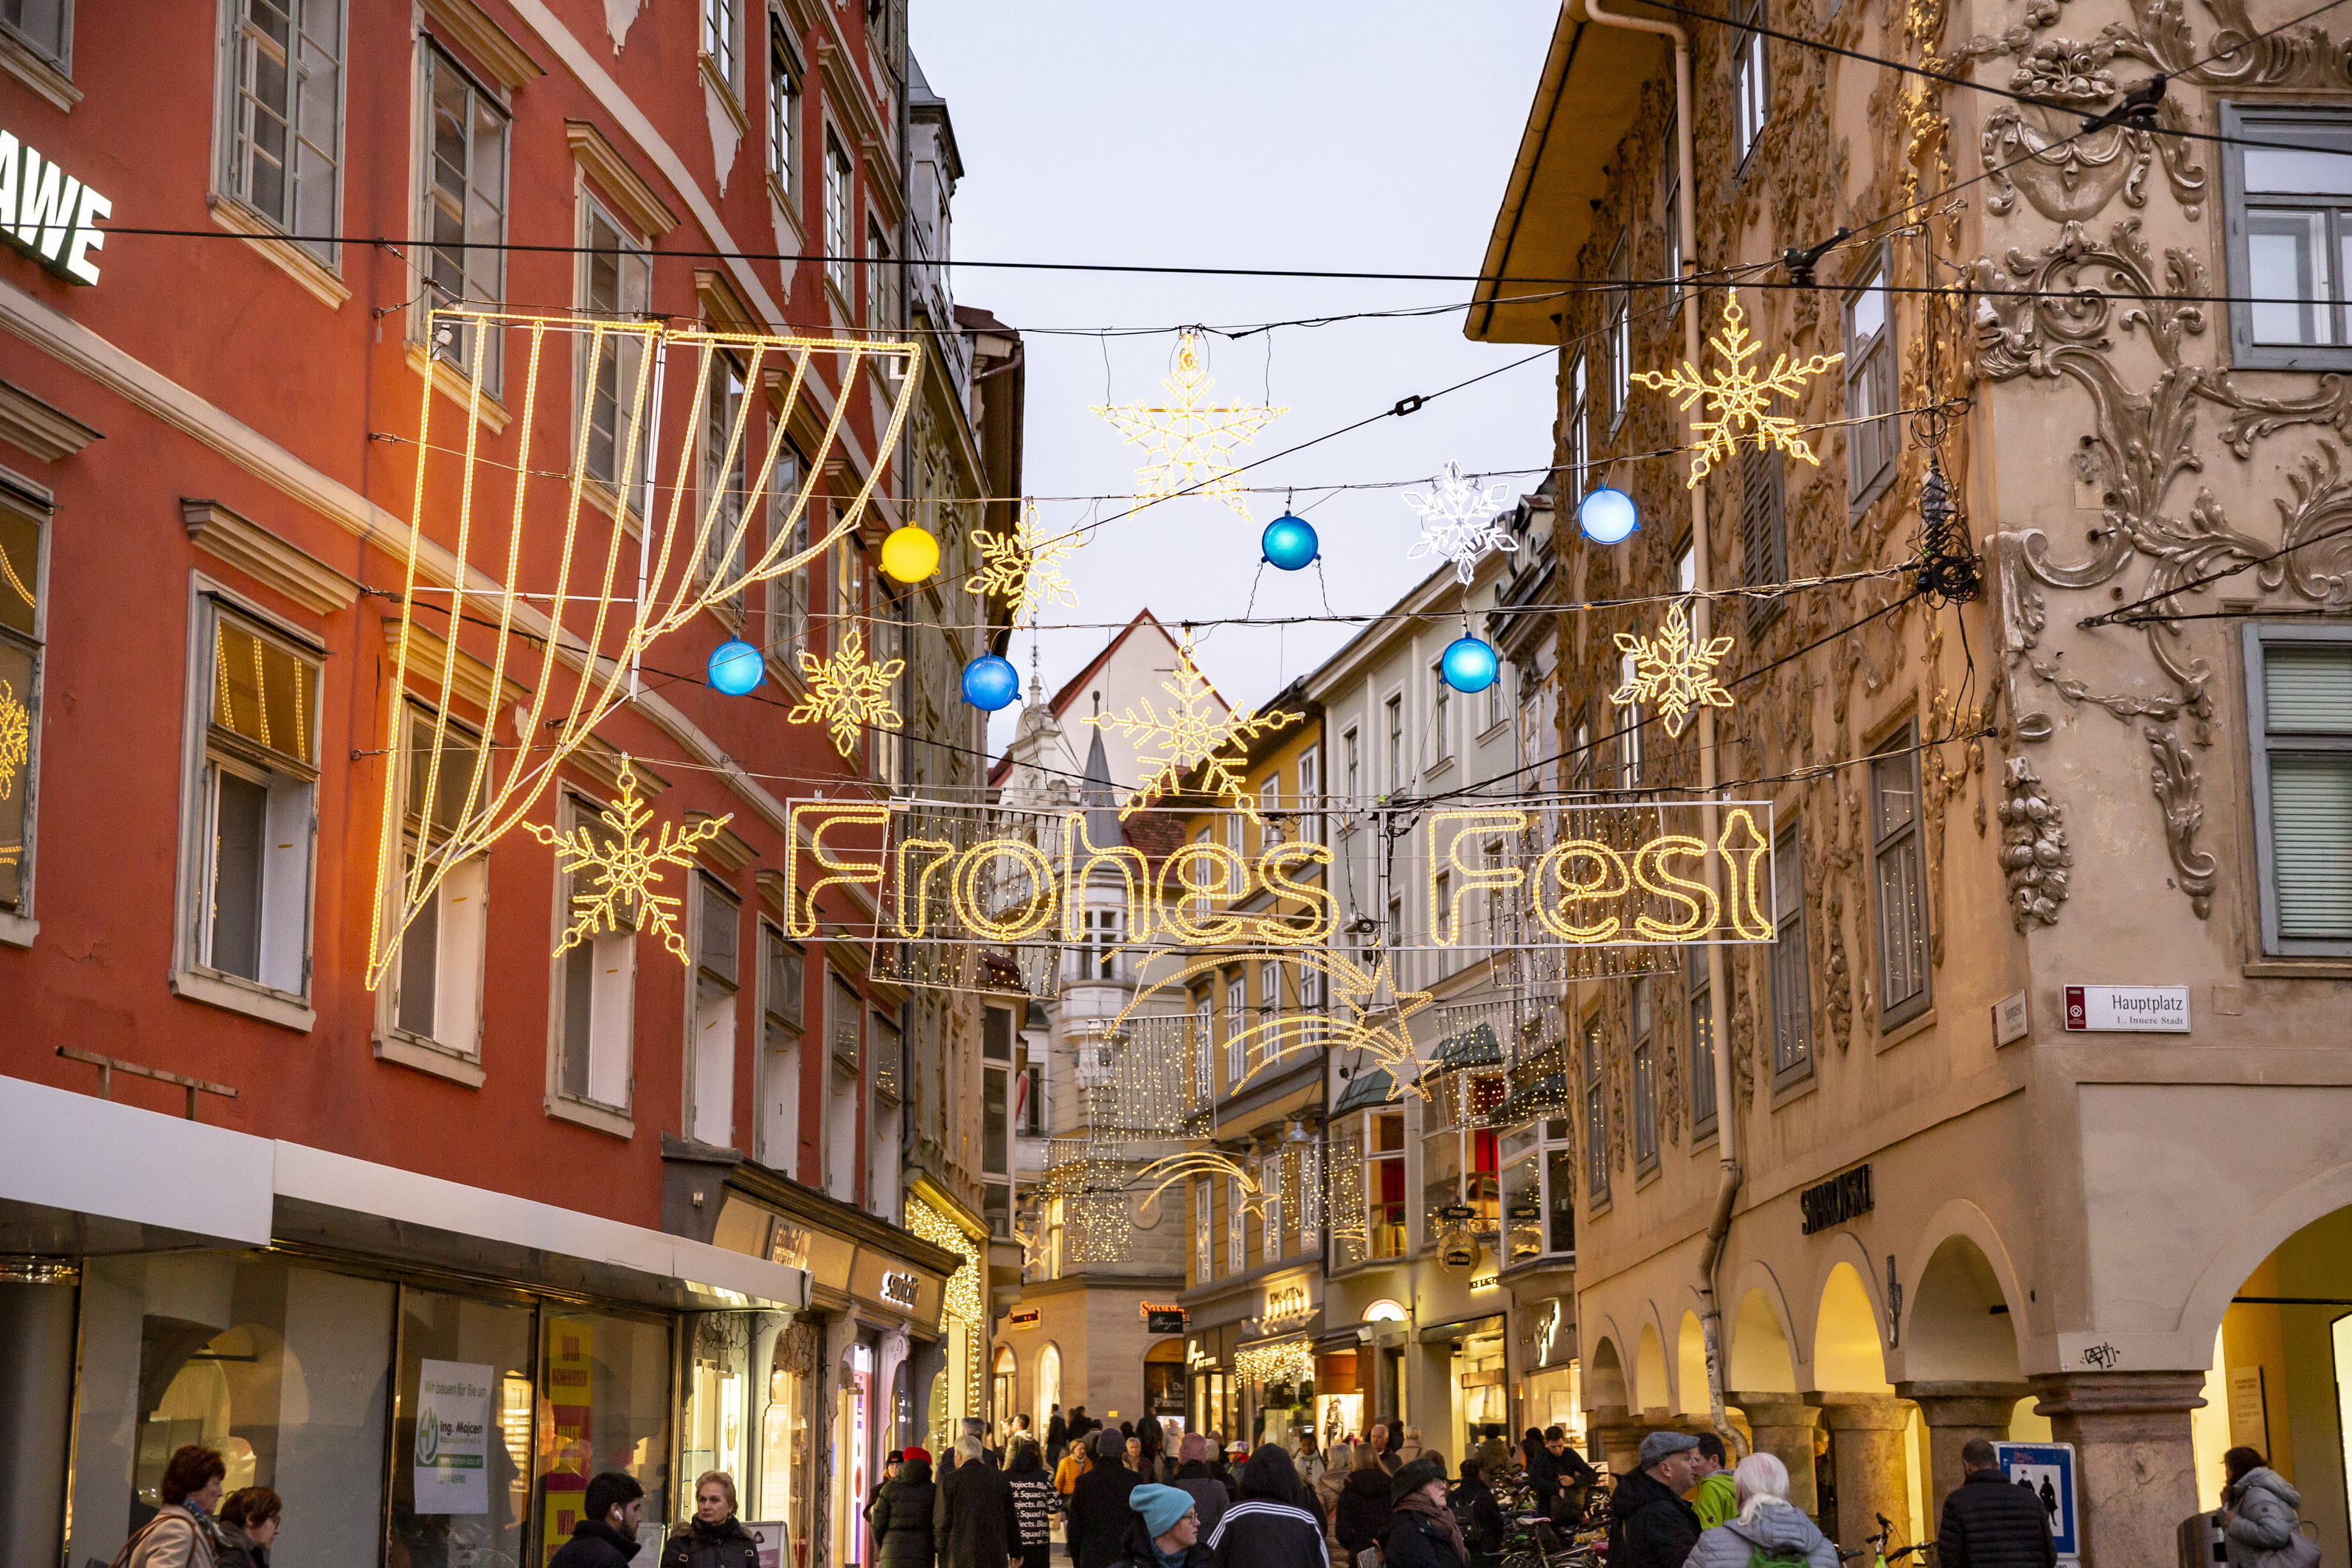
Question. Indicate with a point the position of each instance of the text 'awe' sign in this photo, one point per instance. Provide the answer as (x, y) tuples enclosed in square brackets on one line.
[(47, 214)]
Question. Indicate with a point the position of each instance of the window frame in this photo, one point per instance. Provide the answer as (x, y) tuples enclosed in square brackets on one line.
[(719, 40), (2255, 638), (785, 100), (1698, 1005), (728, 489), (433, 58), (1617, 335), (414, 712), (575, 809), (1376, 1160), (2257, 119), (839, 218), (706, 888), (1788, 923), (1645, 1076), (1236, 1228), (20, 922), (1871, 365), (1236, 1026), (1441, 717), (1204, 1233), (632, 253), (1751, 73), (229, 100), (1593, 1078), (781, 1018), (1394, 707), (1907, 838), (1575, 442), (62, 61), (1763, 479)]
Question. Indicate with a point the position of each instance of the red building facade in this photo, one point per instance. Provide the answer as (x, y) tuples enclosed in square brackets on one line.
[(642, 1195)]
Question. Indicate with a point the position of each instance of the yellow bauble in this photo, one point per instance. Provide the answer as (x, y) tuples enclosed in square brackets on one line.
[(910, 554)]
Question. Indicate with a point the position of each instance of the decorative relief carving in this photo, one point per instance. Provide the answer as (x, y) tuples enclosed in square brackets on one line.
[(2175, 782), (2033, 851)]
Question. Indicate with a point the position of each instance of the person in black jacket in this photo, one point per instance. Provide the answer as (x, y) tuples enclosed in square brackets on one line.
[(1057, 1434), (1162, 1531), (1988, 1523), (1572, 1478), (1269, 1523), (1476, 1510), (901, 1517), (1361, 1520), (606, 1535), (1099, 1514), (714, 1536), (973, 1523), (1192, 1475), (1033, 1502), (1422, 1531), (1650, 1526)]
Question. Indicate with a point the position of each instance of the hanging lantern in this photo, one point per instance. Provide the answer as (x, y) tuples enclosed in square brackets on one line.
[(1468, 665), (1289, 543), (735, 666), (989, 682), (910, 554), (1607, 515)]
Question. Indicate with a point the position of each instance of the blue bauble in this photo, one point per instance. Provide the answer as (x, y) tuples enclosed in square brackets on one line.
[(1289, 543), (1607, 515), (989, 682), (735, 666), (1468, 665)]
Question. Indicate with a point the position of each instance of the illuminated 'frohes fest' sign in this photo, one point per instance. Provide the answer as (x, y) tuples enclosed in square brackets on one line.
[(1589, 876)]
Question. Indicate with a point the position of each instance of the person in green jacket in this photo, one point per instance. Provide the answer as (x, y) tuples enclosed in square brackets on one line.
[(1713, 1498)]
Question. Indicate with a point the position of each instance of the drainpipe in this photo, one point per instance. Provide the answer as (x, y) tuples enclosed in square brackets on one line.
[(1726, 1121)]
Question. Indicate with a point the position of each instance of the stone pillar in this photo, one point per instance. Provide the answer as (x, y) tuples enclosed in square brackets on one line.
[(2134, 1461), (1872, 1473), (1953, 1413), (37, 1385), (1782, 1426), (1618, 1433)]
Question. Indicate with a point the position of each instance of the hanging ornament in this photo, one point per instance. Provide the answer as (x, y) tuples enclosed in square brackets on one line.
[(909, 555), (616, 869), (989, 682), (1022, 570), (1737, 398), (1674, 670), (1460, 521), (848, 692), (1188, 442), (735, 666), (1468, 665), (1289, 543), (1607, 515)]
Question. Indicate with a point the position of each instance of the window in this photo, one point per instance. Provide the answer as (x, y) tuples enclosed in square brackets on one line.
[(249, 915), (849, 571), (1236, 1227), (1619, 343), (436, 983), (1269, 808), (1596, 1116), (1029, 1094), (783, 111), (1686, 565), (1698, 995), (1269, 1007), (1538, 1192), (1205, 1235), (1200, 900), (1269, 1182), (1233, 831), (464, 205), (1645, 1083), (1763, 532), (1902, 886), (1236, 1049), (596, 980), (1396, 932), (726, 455), (615, 283), (2299, 684), (1310, 795), (1099, 944), (782, 979), (1629, 737), (45, 26), (845, 1070), (1310, 1195), (840, 243), (284, 108), (788, 591), (1204, 1051), (722, 39), (710, 1047), (1441, 715), (1396, 778), (1498, 706), (882, 281), (1351, 763), (1751, 88), (1670, 178), (1575, 455), (1870, 396), (1384, 1182), (1792, 976), (21, 625), (2290, 234)]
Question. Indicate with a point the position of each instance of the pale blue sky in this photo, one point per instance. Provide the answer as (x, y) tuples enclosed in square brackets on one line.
[(1369, 135)]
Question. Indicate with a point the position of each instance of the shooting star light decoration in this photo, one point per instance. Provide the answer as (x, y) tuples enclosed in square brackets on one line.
[(1188, 442)]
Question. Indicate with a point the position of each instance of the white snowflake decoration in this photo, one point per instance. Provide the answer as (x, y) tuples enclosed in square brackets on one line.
[(1460, 521)]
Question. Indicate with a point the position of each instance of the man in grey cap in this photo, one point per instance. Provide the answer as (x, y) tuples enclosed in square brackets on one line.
[(1650, 1526)]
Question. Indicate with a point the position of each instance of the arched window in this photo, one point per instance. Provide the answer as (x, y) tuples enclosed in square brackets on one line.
[(1049, 1387), (1004, 1391)]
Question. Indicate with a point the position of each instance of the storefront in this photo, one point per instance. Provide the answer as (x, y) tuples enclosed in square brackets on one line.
[(1339, 1401), (1277, 1379)]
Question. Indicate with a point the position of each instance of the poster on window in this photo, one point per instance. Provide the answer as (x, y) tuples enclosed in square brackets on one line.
[(453, 1438)]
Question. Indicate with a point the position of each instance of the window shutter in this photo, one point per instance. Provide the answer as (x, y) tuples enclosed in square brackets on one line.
[(1763, 543), (2307, 690)]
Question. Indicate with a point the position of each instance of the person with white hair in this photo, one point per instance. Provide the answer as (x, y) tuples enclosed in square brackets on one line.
[(1768, 1525)]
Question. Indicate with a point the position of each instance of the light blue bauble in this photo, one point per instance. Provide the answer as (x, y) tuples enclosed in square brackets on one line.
[(1468, 665), (1607, 515), (989, 682), (735, 666), (1289, 543)]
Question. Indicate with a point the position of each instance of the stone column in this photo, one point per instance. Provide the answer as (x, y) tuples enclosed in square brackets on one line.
[(1782, 1425), (38, 1321), (1618, 1433), (2135, 1464), (1872, 1475), (1953, 1413)]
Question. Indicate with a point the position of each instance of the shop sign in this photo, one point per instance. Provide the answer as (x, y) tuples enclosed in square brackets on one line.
[(1025, 1317), (48, 214), (1289, 1300), (768, 1543), (1159, 1318), (1485, 1281), (899, 1288), (1458, 1252), (1842, 1198), (453, 1438), (2047, 1470), (2128, 1009)]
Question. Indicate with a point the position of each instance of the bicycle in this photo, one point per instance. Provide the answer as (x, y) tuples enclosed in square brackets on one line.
[(1877, 1546)]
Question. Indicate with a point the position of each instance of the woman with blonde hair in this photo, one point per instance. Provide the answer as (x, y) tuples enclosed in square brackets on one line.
[(714, 1536), (1767, 1523)]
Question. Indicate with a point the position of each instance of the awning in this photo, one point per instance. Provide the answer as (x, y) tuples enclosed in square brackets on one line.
[(1370, 1086), (81, 1175), (1548, 1096), (1473, 1047)]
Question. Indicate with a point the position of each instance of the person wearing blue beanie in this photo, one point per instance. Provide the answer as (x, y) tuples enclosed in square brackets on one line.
[(1165, 1533)]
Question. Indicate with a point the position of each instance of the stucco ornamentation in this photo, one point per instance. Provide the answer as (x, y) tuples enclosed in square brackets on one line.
[(2033, 850), (2175, 781), (2299, 55)]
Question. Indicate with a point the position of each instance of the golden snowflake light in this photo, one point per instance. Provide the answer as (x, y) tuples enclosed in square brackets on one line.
[(848, 692), (623, 868), (1738, 400), (1191, 732), (1674, 670), (1022, 569), (1188, 442)]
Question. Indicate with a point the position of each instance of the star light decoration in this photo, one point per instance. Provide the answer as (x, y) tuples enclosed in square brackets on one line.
[(1188, 442), (1460, 521), (623, 867), (848, 692), (1739, 399), (1191, 732), (1022, 568), (1674, 670)]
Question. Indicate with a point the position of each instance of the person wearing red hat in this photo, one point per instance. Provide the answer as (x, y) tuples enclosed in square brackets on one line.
[(900, 1519)]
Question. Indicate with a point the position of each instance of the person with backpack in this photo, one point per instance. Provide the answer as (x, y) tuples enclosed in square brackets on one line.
[(1474, 1509), (1988, 1523), (1269, 1523), (1034, 1502), (1650, 1526), (1768, 1531), (2259, 1528)]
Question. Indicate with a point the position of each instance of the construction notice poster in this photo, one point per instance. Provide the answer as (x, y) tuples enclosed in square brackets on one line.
[(453, 1438), (571, 1374)]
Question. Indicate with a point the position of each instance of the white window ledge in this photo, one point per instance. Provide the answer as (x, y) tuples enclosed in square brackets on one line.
[(237, 995), (297, 263), (616, 1123), (427, 1057), (18, 931)]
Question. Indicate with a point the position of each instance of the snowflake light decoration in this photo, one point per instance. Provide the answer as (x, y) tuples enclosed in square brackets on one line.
[(848, 692), (1192, 732), (1188, 442), (623, 867), (1674, 670), (16, 739), (1022, 568), (1738, 399), (1460, 521)]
